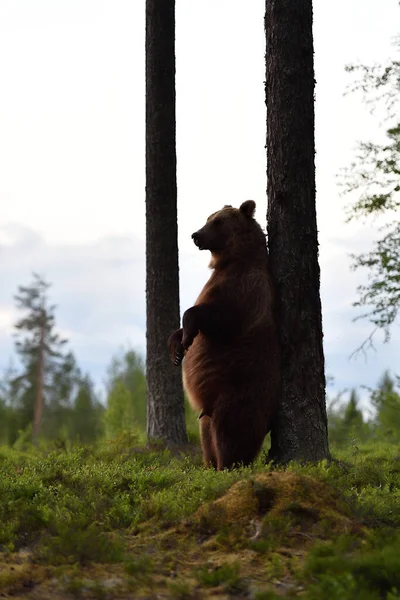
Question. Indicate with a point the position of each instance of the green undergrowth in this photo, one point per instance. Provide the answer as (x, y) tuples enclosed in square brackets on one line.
[(123, 520)]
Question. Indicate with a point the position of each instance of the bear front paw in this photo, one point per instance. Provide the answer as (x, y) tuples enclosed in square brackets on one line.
[(176, 350), (189, 326)]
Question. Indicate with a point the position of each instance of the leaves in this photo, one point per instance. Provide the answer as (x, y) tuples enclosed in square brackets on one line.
[(381, 295), (378, 84), (374, 176)]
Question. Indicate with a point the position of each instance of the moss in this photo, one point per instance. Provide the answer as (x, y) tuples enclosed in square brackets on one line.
[(271, 510), (81, 546), (225, 575), (123, 521), (265, 595), (370, 566), (140, 566), (181, 590), (15, 579)]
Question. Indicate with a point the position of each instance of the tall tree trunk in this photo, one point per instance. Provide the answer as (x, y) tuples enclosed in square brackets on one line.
[(37, 418), (165, 406), (300, 431)]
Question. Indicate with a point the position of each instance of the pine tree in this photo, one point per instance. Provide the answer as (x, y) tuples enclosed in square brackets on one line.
[(165, 401), (40, 350), (300, 430)]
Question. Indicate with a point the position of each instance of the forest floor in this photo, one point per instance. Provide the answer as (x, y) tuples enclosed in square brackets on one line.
[(123, 521)]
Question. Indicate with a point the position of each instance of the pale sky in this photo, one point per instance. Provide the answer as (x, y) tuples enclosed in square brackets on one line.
[(72, 158)]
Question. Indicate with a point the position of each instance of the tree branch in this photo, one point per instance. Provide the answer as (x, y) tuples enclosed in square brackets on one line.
[(365, 346)]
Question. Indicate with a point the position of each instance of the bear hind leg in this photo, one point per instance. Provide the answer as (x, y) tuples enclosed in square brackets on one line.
[(237, 444), (207, 442)]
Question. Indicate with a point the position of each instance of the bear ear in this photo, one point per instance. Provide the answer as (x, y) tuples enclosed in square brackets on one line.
[(227, 206), (248, 208)]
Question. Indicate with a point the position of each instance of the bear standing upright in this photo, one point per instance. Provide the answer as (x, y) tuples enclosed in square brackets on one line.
[(229, 341)]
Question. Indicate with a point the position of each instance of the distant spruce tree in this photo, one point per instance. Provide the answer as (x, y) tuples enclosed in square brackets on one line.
[(346, 423), (87, 414), (9, 425), (386, 401), (126, 394)]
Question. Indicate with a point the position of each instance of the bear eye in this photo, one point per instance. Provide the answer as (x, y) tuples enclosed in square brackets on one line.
[(218, 221)]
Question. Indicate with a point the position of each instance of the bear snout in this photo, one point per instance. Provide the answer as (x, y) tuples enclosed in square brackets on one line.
[(196, 239)]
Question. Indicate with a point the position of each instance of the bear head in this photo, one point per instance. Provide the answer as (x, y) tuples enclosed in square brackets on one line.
[(232, 234)]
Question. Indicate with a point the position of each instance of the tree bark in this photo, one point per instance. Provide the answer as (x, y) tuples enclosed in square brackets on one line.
[(165, 405), (300, 431)]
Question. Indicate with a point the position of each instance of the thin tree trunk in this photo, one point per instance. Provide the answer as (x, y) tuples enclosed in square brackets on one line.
[(37, 419), (165, 406), (300, 431)]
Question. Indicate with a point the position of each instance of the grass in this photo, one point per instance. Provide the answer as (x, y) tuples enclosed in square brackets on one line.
[(122, 521)]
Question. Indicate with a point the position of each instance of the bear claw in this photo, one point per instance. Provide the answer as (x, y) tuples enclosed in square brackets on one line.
[(178, 358)]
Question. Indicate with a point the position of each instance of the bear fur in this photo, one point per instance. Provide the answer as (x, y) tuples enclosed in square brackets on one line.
[(229, 342)]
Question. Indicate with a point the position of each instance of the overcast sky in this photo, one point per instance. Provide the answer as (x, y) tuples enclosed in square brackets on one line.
[(72, 151)]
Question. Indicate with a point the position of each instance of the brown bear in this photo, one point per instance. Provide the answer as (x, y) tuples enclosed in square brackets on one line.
[(229, 342)]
